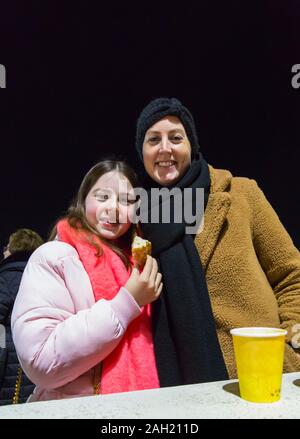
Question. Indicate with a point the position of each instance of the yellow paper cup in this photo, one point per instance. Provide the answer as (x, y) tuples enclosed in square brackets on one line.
[(259, 359)]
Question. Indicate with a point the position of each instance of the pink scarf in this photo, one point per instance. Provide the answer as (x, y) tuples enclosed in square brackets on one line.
[(131, 365)]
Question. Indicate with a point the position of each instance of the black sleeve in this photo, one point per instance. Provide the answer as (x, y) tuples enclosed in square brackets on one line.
[(6, 301), (5, 308)]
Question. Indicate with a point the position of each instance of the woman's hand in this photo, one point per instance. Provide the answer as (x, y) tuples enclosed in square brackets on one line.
[(145, 287)]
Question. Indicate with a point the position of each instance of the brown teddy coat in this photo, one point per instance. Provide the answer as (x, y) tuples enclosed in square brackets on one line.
[(252, 267)]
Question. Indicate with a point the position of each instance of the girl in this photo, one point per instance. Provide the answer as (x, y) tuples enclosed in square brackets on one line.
[(81, 321)]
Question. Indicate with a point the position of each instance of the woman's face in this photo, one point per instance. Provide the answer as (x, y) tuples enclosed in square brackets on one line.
[(110, 204), (166, 151)]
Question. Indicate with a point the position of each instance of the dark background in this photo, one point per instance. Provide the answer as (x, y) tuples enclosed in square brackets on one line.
[(78, 76)]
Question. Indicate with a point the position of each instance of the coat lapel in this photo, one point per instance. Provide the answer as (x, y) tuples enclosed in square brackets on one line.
[(214, 218)]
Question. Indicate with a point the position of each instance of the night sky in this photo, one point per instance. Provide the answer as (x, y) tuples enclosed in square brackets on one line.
[(78, 76)]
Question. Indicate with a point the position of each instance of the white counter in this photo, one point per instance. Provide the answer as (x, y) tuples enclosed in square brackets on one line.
[(209, 400)]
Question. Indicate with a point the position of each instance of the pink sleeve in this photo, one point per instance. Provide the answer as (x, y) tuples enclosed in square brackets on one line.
[(58, 329)]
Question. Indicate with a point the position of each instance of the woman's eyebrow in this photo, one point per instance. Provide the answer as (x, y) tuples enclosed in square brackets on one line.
[(153, 132), (175, 130)]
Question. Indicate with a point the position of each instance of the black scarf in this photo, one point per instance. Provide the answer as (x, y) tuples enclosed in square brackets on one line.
[(186, 346)]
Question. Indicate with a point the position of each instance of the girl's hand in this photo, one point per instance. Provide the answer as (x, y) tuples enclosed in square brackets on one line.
[(145, 287)]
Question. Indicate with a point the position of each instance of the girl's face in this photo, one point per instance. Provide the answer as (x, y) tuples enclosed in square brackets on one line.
[(110, 204), (166, 151)]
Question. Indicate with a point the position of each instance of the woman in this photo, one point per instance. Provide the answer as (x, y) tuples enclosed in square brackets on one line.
[(81, 321), (241, 270)]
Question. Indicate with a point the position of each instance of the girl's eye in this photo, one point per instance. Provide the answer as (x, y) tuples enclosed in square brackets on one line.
[(127, 201), (100, 197)]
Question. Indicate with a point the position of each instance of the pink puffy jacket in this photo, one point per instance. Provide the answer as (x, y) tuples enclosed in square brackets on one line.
[(60, 333)]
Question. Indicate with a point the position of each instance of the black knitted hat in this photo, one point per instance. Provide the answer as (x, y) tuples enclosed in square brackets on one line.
[(160, 108)]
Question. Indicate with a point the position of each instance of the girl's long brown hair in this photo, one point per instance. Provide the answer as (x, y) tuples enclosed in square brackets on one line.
[(76, 216)]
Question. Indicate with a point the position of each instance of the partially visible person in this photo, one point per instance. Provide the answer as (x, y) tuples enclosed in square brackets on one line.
[(15, 387)]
